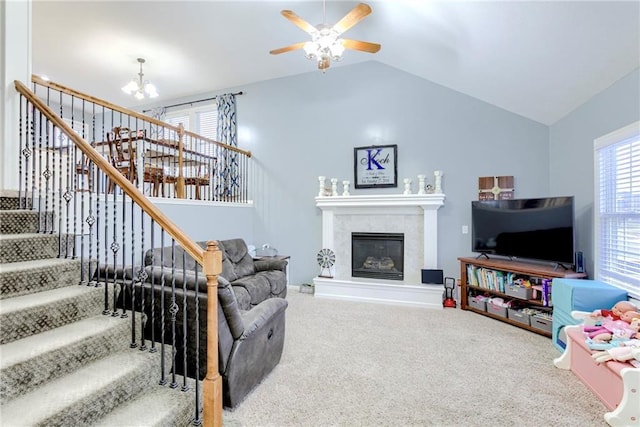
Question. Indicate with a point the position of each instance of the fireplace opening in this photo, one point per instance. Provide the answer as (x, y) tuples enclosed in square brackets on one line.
[(377, 255)]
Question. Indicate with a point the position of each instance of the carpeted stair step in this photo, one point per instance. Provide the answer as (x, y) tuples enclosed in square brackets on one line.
[(87, 394), (157, 406), (27, 277), (31, 246), (12, 202), (38, 359), (24, 221), (34, 313)]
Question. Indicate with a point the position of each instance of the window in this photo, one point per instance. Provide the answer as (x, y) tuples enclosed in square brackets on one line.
[(202, 120), (617, 208)]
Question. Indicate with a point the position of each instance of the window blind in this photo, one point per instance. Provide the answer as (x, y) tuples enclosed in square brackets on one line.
[(617, 208)]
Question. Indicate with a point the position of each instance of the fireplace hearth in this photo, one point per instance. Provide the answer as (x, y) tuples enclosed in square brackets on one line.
[(377, 255)]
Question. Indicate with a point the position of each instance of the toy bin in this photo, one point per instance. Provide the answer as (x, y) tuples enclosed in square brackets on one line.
[(497, 310), (542, 323), (476, 303), (519, 291), (518, 316), (579, 295)]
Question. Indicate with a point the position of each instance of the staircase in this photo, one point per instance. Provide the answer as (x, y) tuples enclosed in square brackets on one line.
[(62, 362)]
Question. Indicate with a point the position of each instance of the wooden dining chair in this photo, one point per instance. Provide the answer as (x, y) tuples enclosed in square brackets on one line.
[(200, 179), (123, 157)]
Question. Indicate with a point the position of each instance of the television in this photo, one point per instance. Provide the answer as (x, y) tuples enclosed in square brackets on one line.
[(539, 229)]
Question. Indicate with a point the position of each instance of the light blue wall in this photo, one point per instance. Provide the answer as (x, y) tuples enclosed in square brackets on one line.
[(307, 125), (571, 149)]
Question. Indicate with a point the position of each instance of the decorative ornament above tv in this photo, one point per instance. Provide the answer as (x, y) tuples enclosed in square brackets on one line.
[(495, 188)]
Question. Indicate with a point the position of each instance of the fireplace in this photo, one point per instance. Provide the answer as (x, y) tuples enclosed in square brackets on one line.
[(377, 255), (413, 216)]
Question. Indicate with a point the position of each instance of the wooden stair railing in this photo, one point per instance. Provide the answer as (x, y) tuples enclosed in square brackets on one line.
[(210, 259)]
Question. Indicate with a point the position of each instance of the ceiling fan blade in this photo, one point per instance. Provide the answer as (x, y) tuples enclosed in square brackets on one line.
[(287, 48), (291, 16), (352, 18), (361, 46)]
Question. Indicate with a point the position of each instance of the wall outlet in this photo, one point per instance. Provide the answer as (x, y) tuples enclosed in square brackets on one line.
[(465, 229)]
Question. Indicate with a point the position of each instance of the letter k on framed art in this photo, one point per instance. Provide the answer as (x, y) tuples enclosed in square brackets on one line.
[(376, 166)]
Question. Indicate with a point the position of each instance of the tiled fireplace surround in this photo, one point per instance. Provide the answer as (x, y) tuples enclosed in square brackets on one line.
[(414, 215)]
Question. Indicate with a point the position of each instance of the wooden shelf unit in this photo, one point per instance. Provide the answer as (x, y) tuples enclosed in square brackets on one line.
[(522, 268)]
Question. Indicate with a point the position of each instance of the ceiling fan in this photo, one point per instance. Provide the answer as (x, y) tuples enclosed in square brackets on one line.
[(326, 43)]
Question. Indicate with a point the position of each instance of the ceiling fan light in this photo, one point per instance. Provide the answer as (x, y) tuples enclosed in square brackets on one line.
[(336, 49), (311, 50)]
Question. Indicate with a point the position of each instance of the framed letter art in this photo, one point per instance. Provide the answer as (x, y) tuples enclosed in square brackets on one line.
[(376, 166)]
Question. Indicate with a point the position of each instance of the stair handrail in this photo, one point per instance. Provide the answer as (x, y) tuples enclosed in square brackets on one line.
[(64, 89), (210, 259)]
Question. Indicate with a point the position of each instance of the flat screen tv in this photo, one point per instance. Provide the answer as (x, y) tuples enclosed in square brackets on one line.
[(536, 229)]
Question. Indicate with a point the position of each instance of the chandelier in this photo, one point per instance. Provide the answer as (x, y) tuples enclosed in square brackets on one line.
[(139, 88)]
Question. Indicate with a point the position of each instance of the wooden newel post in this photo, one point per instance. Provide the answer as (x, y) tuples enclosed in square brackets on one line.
[(212, 385), (180, 185)]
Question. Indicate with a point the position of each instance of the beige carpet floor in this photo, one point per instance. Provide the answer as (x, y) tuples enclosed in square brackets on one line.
[(362, 364)]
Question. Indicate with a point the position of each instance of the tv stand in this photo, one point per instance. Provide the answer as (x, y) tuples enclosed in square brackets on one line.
[(485, 269), (483, 255), (559, 264)]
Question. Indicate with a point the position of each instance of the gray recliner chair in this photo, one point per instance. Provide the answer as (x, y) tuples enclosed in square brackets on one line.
[(250, 342)]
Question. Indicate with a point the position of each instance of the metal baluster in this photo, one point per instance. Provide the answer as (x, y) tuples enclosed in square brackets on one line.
[(153, 348), (47, 172), (115, 247), (91, 184), (142, 277), (123, 285), (32, 127), (163, 379), (26, 153), (40, 171), (184, 321), (173, 310), (197, 420), (20, 115), (74, 184), (132, 283), (106, 249)]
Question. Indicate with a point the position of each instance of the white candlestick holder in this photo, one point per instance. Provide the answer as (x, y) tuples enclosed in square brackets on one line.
[(321, 181), (407, 186), (438, 181), (345, 188), (421, 179), (334, 186)]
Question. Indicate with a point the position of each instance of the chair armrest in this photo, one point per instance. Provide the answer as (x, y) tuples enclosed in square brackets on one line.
[(270, 264), (156, 274), (259, 315)]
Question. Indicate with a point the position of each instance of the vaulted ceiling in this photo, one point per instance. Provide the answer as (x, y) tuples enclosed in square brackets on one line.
[(539, 59)]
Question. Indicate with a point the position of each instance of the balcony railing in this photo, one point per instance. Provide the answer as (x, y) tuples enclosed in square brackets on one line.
[(161, 160)]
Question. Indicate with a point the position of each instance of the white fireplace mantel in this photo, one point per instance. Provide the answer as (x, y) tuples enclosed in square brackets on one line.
[(414, 215)]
